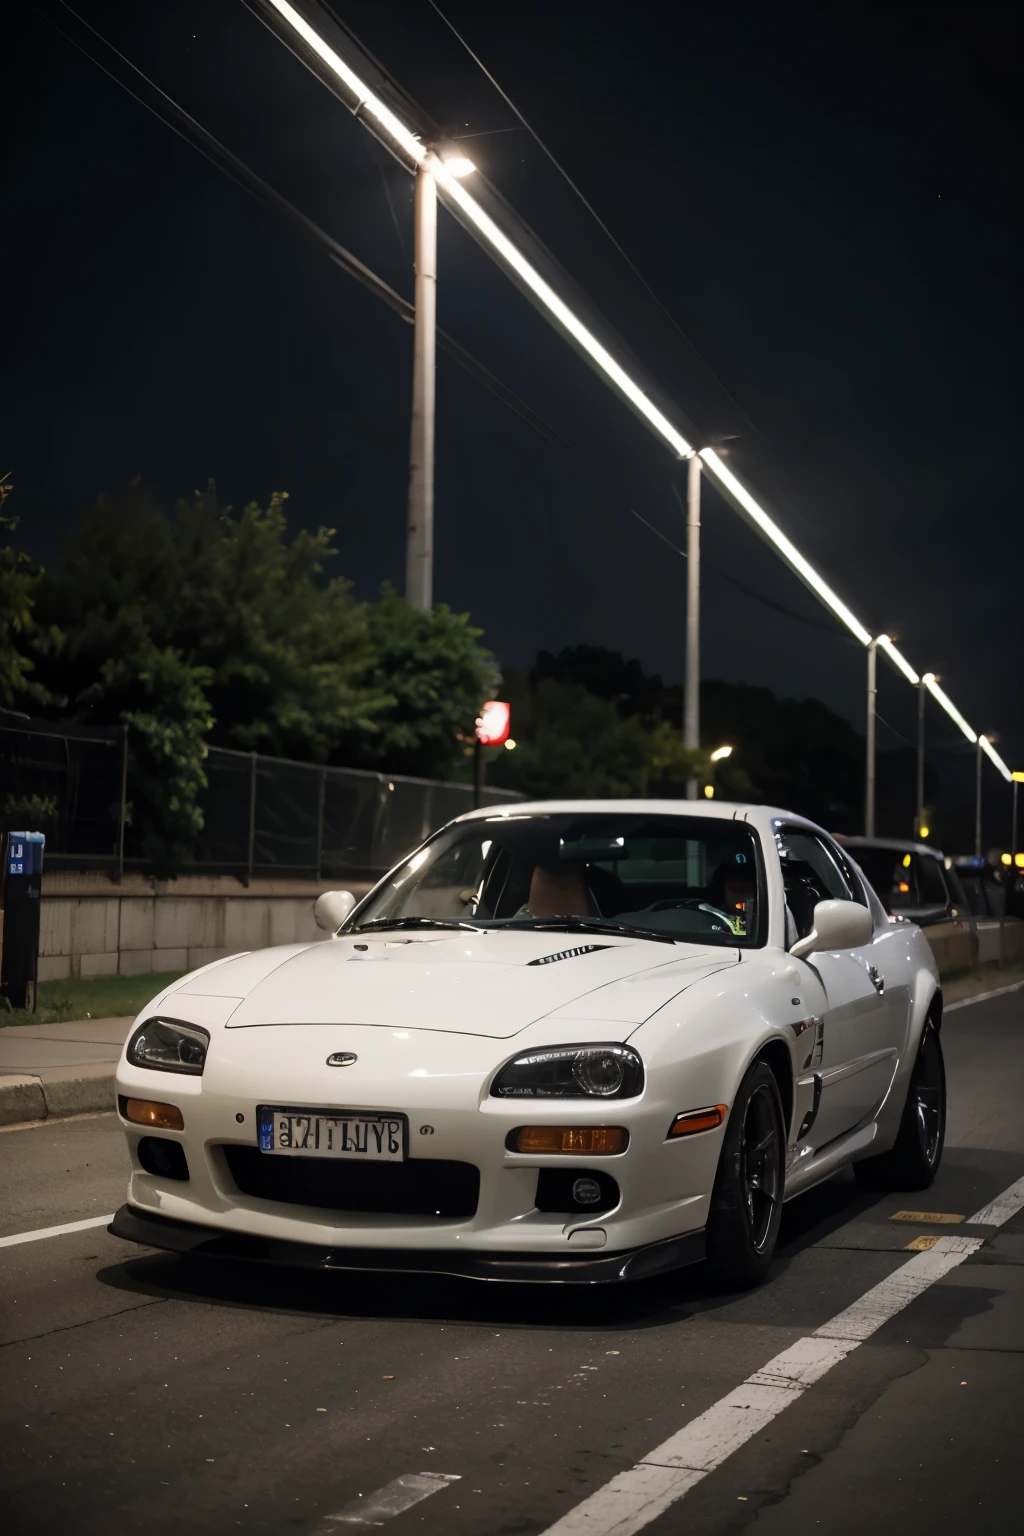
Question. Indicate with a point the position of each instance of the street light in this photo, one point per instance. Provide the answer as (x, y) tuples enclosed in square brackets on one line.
[(1017, 778), (720, 753), (459, 166), (419, 158)]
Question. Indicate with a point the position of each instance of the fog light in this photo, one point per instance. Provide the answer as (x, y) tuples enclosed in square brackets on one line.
[(578, 1140), (586, 1191), (146, 1112)]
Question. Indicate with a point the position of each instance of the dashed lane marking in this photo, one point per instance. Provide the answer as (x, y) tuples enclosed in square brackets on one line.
[(69, 1226), (1001, 1208), (393, 1499), (927, 1218), (639, 1495)]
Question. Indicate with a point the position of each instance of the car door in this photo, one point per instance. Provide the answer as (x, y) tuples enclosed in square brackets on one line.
[(859, 1036)]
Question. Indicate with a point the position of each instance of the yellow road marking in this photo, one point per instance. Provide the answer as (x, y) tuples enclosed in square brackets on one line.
[(928, 1218), (921, 1242)]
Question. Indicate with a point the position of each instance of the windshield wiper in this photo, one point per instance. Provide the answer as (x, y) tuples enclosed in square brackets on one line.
[(590, 925), (415, 922)]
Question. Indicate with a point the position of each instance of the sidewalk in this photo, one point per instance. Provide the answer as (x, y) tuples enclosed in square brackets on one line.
[(52, 1070)]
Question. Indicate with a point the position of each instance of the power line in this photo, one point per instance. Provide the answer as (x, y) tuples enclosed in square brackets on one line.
[(594, 215), (217, 154)]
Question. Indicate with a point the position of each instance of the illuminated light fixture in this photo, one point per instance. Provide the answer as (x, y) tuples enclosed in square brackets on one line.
[(924, 831), (167, 1117), (1018, 859), (510, 745), (1017, 777), (579, 1140), (904, 887), (693, 1120), (991, 753), (1006, 858), (417, 154), (906, 861), (458, 165), (898, 660), (787, 549), (941, 697), (709, 791), (720, 753)]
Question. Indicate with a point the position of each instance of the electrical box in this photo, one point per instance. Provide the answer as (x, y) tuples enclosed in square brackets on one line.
[(23, 881)]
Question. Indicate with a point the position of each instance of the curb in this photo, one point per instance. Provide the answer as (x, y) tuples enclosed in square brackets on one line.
[(46, 1095)]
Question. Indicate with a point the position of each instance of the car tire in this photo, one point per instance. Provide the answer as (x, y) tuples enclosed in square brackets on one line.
[(746, 1203), (914, 1159)]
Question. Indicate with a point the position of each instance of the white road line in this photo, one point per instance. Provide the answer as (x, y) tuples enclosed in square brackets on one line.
[(983, 997), (69, 1226), (635, 1498), (394, 1498), (1001, 1208)]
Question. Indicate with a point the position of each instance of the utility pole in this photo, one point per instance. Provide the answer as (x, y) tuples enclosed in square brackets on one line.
[(419, 548), (691, 688), (920, 760), (1013, 834), (869, 776), (977, 803)]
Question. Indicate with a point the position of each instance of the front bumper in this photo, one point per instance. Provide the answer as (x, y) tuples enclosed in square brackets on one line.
[(139, 1226)]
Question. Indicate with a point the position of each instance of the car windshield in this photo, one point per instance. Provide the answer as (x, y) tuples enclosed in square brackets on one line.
[(684, 878)]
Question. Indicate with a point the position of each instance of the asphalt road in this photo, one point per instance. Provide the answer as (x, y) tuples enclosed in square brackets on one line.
[(144, 1393)]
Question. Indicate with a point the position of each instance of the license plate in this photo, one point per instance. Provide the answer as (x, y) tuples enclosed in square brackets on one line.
[(373, 1138)]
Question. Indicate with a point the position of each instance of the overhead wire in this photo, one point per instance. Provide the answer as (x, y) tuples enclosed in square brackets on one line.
[(217, 154), (594, 215)]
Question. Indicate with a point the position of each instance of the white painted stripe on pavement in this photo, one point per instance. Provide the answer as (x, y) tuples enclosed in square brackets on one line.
[(393, 1499), (1001, 1208), (69, 1226), (983, 997), (638, 1496)]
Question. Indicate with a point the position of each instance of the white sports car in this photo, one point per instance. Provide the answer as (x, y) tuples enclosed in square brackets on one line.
[(574, 1041)]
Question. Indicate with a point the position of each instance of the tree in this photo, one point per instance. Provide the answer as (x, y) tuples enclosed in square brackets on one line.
[(21, 638), (437, 676), (570, 743)]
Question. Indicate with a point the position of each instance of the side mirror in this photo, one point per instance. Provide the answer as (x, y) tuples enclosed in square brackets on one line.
[(837, 925), (332, 908)]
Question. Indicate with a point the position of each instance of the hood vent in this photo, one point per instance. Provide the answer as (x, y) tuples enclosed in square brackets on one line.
[(570, 954)]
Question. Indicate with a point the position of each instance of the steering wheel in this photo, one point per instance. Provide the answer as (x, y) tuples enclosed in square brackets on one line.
[(694, 902)]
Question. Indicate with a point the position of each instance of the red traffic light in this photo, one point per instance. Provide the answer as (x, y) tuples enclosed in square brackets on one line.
[(494, 723)]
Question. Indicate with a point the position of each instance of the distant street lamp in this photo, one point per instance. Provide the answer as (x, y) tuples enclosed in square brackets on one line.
[(720, 753)]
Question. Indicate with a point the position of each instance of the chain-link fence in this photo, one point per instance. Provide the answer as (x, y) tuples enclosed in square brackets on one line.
[(261, 815)]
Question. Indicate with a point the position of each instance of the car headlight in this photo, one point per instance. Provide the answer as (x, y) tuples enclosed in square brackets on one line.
[(169, 1046), (572, 1072)]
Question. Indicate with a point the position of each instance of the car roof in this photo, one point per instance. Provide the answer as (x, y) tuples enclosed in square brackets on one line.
[(897, 844), (714, 810)]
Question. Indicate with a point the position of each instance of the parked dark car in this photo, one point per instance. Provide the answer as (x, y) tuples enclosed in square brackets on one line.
[(912, 880)]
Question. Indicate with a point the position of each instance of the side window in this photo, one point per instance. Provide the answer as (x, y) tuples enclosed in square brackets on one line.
[(810, 873), (931, 883)]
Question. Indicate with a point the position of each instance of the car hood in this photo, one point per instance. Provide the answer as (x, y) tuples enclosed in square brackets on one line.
[(493, 983)]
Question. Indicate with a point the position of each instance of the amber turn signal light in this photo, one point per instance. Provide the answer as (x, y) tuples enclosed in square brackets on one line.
[(580, 1140), (145, 1112), (693, 1120)]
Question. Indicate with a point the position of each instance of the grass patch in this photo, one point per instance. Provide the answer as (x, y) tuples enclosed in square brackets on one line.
[(961, 985), (97, 997)]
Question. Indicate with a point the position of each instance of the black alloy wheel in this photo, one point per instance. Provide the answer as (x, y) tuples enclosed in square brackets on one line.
[(916, 1153), (761, 1165), (746, 1205)]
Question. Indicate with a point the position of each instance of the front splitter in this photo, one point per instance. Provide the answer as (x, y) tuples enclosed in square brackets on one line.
[(186, 1237)]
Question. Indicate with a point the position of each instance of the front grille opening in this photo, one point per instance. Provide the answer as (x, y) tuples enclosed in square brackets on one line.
[(420, 1187), (556, 1191), (163, 1157)]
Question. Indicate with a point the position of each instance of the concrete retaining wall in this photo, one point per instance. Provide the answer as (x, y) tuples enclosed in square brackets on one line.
[(91, 927)]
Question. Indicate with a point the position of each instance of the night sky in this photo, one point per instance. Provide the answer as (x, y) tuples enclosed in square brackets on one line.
[(826, 199)]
